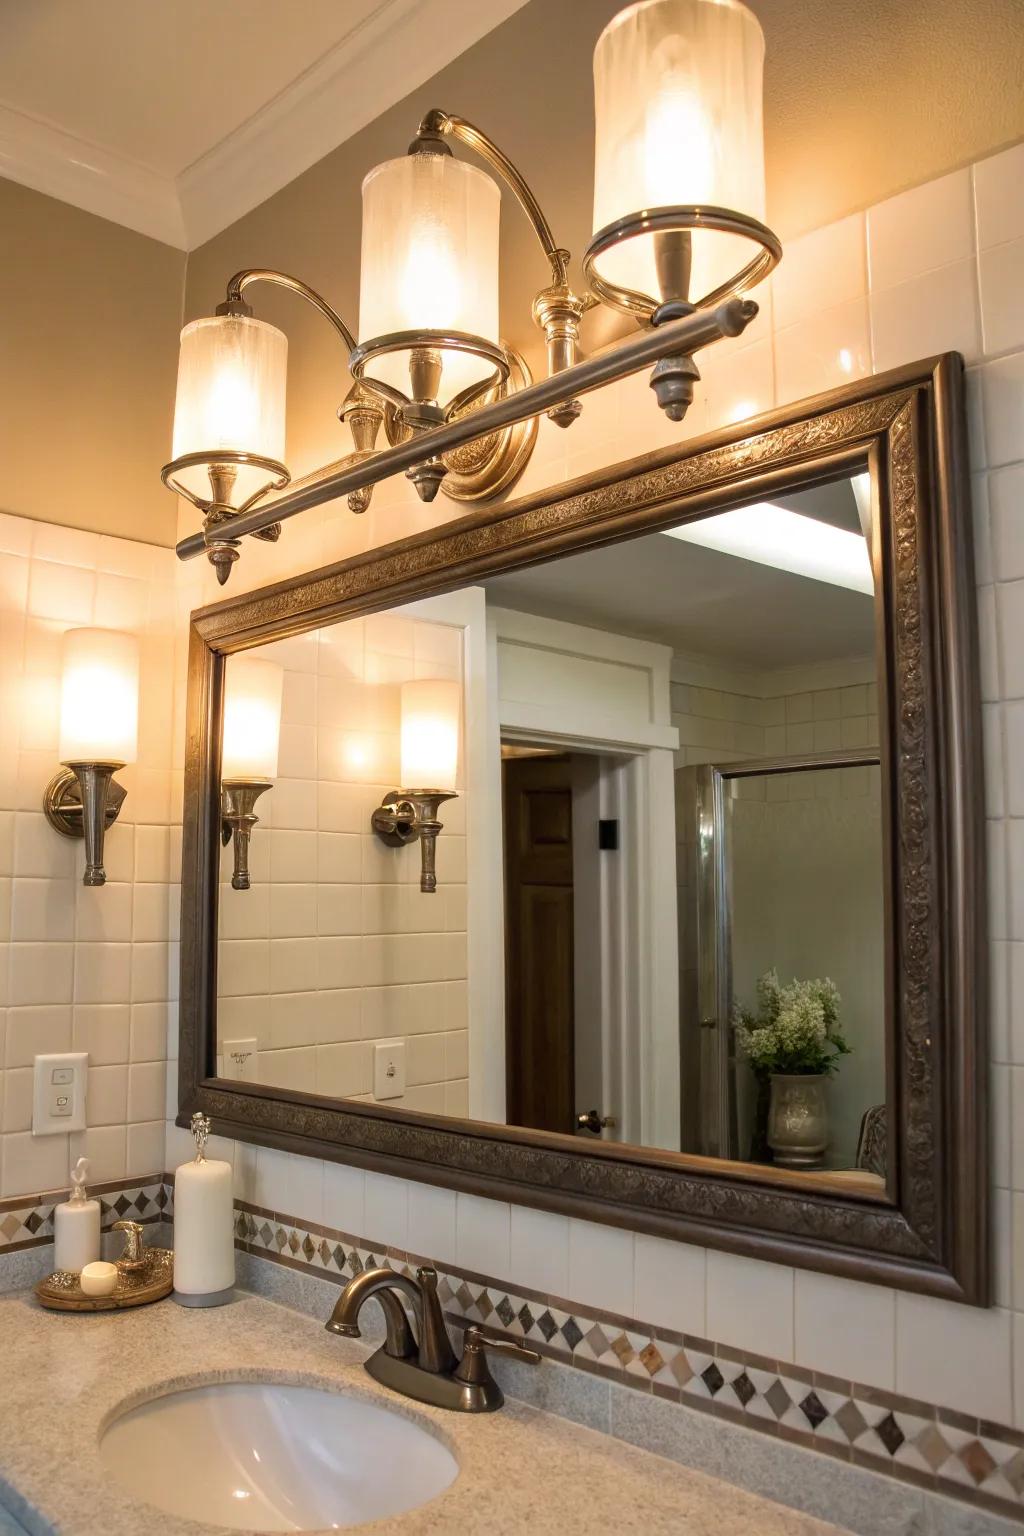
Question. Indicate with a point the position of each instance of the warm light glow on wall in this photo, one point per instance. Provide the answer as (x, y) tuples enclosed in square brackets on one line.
[(99, 697), (430, 261), (677, 98), (771, 535), (232, 374), (431, 710), (252, 718)]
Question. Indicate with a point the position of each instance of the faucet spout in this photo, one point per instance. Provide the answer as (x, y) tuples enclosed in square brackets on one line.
[(385, 1285)]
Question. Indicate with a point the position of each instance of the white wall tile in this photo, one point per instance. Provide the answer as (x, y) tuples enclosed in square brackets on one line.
[(750, 1304), (431, 1233), (929, 226), (387, 1210), (845, 1328), (934, 312), (601, 1265), (1002, 296), (343, 1198), (1002, 389), (821, 269), (958, 1357), (482, 1235), (999, 196), (669, 1281), (540, 1251)]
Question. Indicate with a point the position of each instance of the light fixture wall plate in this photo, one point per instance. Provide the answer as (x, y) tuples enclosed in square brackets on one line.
[(84, 800), (484, 468), (405, 815)]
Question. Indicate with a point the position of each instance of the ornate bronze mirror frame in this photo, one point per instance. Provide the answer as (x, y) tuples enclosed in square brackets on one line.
[(929, 1232)]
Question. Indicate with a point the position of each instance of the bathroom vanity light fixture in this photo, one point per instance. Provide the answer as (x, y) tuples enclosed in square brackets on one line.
[(249, 752), (678, 237), (99, 727), (431, 709)]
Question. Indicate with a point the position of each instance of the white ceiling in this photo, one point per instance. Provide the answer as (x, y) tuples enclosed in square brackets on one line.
[(175, 117), (705, 605)]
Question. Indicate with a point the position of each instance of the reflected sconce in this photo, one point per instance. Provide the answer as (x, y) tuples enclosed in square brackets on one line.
[(99, 732), (431, 709), (678, 239), (250, 742)]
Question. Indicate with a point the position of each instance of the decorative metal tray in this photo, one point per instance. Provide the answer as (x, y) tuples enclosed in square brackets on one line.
[(135, 1287)]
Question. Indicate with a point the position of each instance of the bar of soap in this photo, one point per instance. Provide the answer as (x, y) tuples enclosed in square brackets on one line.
[(98, 1278)]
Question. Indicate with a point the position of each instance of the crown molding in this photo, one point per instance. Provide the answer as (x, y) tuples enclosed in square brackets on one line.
[(401, 45), (43, 157), (397, 48)]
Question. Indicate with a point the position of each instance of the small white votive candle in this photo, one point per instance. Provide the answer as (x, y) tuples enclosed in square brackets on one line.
[(98, 1278)]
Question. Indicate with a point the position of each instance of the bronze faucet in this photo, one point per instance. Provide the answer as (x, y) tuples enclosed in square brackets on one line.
[(423, 1367)]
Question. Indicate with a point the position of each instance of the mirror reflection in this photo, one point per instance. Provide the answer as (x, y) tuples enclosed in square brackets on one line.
[(593, 847)]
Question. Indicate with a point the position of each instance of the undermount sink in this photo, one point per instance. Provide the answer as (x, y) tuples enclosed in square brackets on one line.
[(267, 1456)]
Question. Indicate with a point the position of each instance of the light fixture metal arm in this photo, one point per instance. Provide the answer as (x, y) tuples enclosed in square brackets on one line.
[(242, 280), (685, 335), (440, 124)]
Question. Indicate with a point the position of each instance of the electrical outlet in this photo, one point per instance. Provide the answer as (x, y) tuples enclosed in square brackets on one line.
[(389, 1069), (58, 1093), (240, 1060)]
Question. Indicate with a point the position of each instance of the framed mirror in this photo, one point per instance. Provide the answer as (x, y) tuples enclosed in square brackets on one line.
[(619, 851)]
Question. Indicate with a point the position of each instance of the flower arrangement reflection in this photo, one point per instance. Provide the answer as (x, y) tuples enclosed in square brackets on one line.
[(793, 1042)]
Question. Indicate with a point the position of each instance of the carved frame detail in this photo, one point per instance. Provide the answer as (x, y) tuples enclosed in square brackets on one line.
[(930, 1233)]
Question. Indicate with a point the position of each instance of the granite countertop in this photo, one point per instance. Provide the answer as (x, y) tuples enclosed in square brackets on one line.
[(66, 1375)]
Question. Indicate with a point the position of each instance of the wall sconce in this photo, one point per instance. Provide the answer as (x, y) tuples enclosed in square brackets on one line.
[(250, 741), (99, 728), (678, 204), (431, 709)]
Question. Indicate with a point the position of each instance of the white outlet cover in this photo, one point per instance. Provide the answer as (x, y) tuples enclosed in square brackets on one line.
[(50, 1116), (389, 1069), (240, 1059)]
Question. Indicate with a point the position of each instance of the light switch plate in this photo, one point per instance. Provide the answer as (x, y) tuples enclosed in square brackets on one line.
[(240, 1059), (389, 1069), (58, 1093)]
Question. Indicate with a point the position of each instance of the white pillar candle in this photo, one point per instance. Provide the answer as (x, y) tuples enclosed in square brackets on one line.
[(204, 1238), (76, 1225), (99, 1279)]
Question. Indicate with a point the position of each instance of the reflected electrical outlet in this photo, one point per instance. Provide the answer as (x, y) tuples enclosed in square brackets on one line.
[(389, 1069), (241, 1060)]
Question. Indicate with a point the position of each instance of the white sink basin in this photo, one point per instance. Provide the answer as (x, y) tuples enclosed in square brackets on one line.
[(264, 1456)]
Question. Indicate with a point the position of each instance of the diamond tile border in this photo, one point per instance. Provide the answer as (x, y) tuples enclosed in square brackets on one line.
[(934, 1448), (26, 1221)]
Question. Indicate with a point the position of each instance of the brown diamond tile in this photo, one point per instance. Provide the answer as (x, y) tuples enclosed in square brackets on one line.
[(623, 1350), (932, 1445), (484, 1305), (680, 1367), (1013, 1471), (308, 1248), (778, 1399), (651, 1360), (464, 1297), (266, 1234), (597, 1340), (850, 1420), (977, 1460), (890, 1434)]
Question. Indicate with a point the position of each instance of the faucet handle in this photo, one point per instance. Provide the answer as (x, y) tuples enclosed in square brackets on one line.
[(473, 1367)]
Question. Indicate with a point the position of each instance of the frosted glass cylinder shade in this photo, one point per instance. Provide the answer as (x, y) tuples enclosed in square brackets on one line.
[(677, 100), (99, 697), (252, 718), (431, 711), (232, 374), (429, 262)]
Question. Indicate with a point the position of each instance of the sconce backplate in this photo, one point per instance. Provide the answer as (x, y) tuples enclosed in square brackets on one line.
[(62, 803), (483, 469)]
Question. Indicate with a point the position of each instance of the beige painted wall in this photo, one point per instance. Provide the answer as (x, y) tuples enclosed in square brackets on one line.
[(91, 314), (862, 100)]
